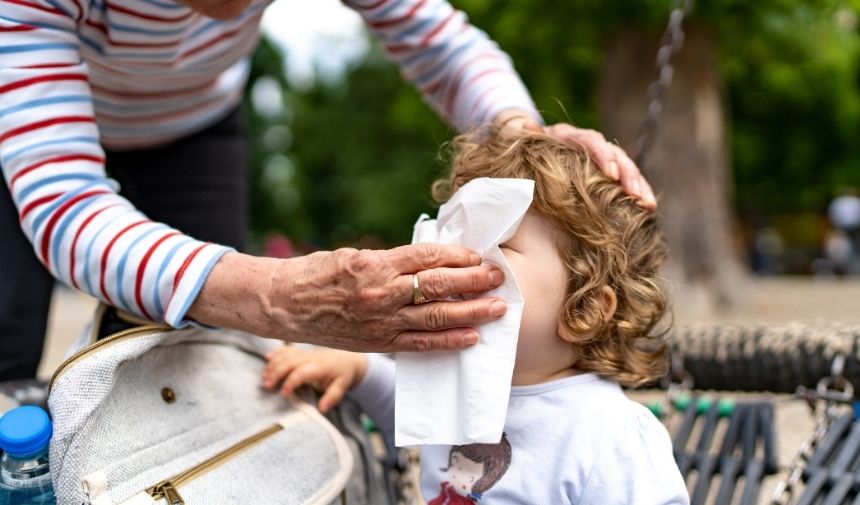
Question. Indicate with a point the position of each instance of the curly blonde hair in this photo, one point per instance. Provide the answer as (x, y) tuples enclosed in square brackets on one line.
[(605, 239)]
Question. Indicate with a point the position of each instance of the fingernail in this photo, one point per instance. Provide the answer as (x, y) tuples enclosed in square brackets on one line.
[(471, 338), (636, 187), (613, 170), (475, 259), (498, 308), (496, 278)]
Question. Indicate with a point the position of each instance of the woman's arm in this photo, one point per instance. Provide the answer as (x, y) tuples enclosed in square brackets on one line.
[(82, 231), (456, 67)]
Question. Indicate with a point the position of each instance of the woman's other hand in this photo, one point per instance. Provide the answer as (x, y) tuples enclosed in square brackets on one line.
[(612, 159)]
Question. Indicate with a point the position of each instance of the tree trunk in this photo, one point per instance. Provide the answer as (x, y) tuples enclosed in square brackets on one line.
[(688, 165)]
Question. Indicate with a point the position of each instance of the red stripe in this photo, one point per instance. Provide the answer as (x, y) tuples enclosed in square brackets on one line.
[(47, 65), (185, 264), (360, 7), (396, 21), (42, 78), (86, 222), (429, 37), (143, 15), (102, 28), (106, 253), (472, 81), (138, 285), (19, 28), (35, 203), (36, 6), (456, 81), (56, 159), (58, 213), (44, 124)]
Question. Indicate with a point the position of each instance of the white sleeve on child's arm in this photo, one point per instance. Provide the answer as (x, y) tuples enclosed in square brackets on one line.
[(637, 470), (375, 393)]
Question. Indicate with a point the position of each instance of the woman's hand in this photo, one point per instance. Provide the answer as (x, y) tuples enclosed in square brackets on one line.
[(335, 372), (612, 159), (354, 300)]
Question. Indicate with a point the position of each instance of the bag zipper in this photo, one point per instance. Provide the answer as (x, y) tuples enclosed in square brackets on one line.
[(98, 345), (166, 489)]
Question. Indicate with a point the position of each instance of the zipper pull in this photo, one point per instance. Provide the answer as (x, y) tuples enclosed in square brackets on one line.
[(168, 492)]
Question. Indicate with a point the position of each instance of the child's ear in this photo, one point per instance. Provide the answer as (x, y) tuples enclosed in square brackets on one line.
[(608, 302)]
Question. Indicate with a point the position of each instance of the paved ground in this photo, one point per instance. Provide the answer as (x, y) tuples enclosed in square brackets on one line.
[(766, 301)]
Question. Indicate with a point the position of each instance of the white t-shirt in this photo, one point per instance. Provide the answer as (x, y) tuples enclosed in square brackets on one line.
[(573, 440)]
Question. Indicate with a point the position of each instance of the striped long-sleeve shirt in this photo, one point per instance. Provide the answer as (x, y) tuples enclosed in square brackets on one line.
[(76, 75)]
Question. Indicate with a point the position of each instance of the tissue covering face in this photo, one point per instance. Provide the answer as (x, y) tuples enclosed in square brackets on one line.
[(461, 397)]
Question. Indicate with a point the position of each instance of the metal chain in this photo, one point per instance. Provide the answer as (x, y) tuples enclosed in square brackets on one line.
[(830, 393), (670, 44)]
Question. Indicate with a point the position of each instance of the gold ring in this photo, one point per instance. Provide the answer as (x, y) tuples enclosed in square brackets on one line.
[(417, 296)]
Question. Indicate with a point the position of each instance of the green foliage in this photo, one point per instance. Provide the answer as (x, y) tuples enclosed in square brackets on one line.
[(357, 157)]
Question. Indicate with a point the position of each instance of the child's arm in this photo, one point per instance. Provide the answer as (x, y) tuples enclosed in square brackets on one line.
[(369, 376)]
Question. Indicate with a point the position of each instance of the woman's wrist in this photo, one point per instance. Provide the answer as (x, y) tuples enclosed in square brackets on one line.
[(236, 295)]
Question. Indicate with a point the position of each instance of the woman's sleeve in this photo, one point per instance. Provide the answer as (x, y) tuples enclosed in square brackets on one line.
[(458, 69), (87, 235)]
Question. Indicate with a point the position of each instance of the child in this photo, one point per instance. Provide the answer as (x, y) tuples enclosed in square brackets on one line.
[(586, 259)]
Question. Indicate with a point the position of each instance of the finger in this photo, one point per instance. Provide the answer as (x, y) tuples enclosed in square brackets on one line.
[(307, 373), (649, 201), (413, 258), (334, 393), (630, 175), (441, 283), (421, 341), (437, 316), (276, 370)]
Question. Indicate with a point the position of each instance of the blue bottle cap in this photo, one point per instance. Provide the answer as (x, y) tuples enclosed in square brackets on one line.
[(25, 431)]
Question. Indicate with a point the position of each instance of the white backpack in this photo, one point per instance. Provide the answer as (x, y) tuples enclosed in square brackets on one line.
[(153, 415)]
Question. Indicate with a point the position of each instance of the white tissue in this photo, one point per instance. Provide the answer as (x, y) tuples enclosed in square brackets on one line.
[(461, 397)]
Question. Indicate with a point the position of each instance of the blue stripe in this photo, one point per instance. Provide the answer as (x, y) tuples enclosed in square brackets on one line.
[(24, 193), (429, 74), (133, 29), (92, 243), (406, 62), (59, 7), (92, 44), (163, 268), (213, 23), (165, 5), (32, 104), (198, 284), (51, 208), (121, 266), (9, 156), (23, 48), (37, 24), (61, 230), (384, 12)]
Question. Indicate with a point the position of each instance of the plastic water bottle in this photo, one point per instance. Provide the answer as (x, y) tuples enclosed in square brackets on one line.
[(25, 478)]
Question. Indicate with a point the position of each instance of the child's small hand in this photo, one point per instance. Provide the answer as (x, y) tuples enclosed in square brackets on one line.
[(336, 371)]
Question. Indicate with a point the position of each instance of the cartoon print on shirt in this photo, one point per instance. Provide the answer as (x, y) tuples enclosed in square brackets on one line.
[(472, 470)]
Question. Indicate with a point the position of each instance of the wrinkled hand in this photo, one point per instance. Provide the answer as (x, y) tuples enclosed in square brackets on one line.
[(611, 158), (335, 372), (362, 300)]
